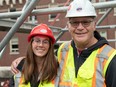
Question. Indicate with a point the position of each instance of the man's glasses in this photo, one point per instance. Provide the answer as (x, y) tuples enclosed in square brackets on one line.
[(38, 41), (75, 24)]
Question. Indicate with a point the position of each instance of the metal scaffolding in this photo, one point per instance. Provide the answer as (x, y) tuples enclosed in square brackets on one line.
[(28, 9), (19, 22)]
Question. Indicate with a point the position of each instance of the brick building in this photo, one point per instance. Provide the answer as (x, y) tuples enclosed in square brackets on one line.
[(16, 47)]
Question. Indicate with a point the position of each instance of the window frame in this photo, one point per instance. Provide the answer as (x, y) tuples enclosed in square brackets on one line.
[(103, 10), (14, 41)]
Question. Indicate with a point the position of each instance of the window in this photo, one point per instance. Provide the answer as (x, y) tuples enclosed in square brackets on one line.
[(20, 1), (93, 1), (4, 3), (12, 9), (32, 19), (102, 10), (14, 1), (53, 16), (103, 34), (52, 1), (14, 46)]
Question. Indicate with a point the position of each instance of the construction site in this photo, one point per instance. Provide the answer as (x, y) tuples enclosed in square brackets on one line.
[(18, 17)]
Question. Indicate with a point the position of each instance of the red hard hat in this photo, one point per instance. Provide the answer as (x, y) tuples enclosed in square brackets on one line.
[(42, 29)]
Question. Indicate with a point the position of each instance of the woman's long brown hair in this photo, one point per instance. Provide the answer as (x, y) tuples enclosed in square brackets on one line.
[(49, 67)]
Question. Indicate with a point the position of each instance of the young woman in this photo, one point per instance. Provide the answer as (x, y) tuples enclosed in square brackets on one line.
[(40, 65)]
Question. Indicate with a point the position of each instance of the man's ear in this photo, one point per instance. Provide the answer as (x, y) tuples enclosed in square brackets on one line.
[(95, 25)]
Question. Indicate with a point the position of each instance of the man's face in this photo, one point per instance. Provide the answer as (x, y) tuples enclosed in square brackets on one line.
[(82, 29)]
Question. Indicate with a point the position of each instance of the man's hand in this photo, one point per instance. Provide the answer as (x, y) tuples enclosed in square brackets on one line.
[(14, 65)]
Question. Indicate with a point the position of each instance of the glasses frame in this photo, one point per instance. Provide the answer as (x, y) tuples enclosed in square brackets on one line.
[(43, 42), (84, 23)]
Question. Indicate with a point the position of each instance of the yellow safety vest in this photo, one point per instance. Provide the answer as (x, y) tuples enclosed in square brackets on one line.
[(21, 80), (40, 85), (92, 71), (93, 68)]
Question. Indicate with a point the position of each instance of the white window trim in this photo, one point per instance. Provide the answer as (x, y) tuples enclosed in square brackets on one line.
[(49, 16), (115, 11), (52, 19), (103, 34), (11, 43), (102, 12), (52, 1), (33, 19)]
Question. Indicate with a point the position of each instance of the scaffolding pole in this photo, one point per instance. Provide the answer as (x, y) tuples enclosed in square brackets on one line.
[(97, 27), (104, 16), (28, 9), (61, 33), (108, 4), (106, 27), (17, 25), (1, 53)]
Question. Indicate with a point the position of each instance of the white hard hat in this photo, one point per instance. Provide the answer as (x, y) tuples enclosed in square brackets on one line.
[(80, 8)]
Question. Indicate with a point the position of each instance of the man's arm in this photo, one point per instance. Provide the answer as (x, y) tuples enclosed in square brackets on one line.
[(15, 65)]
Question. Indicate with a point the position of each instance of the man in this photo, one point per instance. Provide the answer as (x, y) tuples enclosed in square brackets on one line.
[(87, 60)]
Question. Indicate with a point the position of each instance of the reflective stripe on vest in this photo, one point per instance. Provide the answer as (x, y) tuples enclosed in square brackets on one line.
[(17, 79), (64, 52), (101, 58), (62, 62), (101, 62)]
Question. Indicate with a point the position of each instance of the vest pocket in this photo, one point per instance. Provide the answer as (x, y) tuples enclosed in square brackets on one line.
[(84, 77), (85, 74)]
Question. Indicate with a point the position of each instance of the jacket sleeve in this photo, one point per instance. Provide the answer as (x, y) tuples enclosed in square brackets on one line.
[(20, 65), (110, 78)]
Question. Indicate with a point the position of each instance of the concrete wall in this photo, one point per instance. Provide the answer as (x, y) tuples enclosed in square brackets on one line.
[(5, 72)]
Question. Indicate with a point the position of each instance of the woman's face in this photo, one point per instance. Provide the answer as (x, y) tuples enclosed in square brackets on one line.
[(40, 45)]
